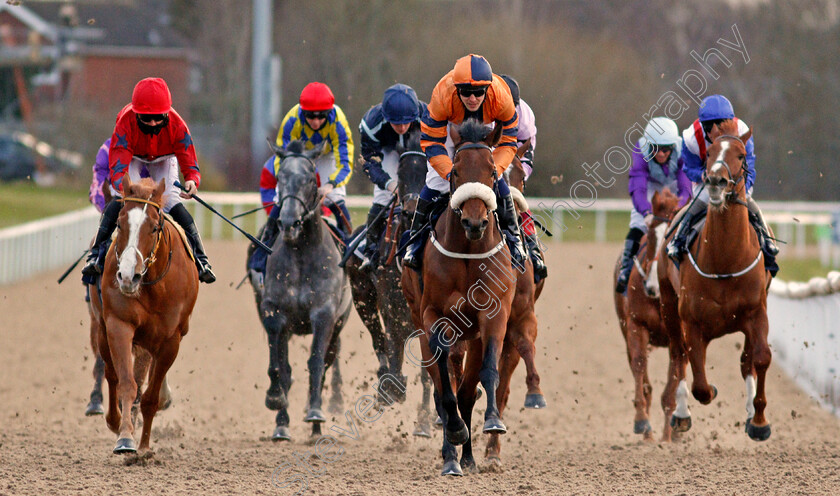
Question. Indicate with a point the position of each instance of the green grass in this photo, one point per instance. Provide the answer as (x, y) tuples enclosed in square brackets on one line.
[(25, 202), (801, 269)]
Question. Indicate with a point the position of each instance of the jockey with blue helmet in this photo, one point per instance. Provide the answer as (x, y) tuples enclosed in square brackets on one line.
[(383, 128), (714, 110), (657, 164)]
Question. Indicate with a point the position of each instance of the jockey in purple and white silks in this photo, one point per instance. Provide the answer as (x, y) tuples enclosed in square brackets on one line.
[(657, 164), (714, 110), (101, 176)]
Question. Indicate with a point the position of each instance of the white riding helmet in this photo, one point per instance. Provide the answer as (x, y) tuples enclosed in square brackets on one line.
[(661, 131)]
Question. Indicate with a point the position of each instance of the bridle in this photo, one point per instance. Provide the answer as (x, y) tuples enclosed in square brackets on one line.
[(732, 194), (159, 228), (468, 146), (308, 210)]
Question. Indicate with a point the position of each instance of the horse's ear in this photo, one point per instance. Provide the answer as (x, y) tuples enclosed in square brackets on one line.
[(523, 148), (276, 149), (455, 135), (126, 184), (494, 137), (317, 151), (159, 190), (746, 136)]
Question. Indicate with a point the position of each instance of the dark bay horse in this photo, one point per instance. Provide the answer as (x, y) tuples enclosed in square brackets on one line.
[(305, 290), (462, 295), (377, 294), (149, 291), (638, 315), (720, 288)]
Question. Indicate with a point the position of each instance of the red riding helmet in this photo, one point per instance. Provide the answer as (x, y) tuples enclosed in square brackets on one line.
[(151, 96), (316, 96)]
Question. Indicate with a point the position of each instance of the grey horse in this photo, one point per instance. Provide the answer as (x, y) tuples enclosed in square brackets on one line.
[(305, 291)]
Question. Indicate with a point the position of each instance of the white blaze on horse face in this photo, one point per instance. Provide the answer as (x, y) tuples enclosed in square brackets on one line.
[(129, 256), (682, 401), (749, 381), (652, 281), (718, 163)]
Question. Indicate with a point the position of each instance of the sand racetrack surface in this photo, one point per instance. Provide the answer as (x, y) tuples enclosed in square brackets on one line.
[(214, 440)]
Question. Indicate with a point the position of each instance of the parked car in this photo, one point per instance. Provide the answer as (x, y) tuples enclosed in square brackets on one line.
[(24, 157)]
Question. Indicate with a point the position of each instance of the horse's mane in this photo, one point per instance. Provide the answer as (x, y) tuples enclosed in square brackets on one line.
[(296, 146), (144, 185), (473, 131), (413, 141)]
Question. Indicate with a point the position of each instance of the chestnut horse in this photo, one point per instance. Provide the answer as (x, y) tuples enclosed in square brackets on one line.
[(638, 314), (465, 295), (719, 288), (149, 291)]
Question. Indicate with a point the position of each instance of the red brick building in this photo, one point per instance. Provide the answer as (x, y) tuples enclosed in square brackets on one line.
[(89, 51)]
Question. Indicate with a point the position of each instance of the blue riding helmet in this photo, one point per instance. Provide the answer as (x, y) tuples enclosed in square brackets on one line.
[(715, 107), (400, 105)]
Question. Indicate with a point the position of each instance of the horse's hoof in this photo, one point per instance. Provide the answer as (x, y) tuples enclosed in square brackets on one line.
[(336, 407), (94, 408), (125, 446), (494, 464), (494, 426), (757, 433), (452, 467), (315, 415), (642, 426), (276, 402), (422, 430), (459, 436), (478, 393), (166, 404), (439, 422), (680, 424), (469, 466), (535, 401), (281, 433), (714, 391)]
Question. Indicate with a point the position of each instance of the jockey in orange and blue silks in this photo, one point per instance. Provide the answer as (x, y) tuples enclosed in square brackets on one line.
[(697, 138), (469, 91), (150, 137), (385, 127)]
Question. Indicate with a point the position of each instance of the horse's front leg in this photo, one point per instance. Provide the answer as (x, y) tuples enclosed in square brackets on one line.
[(323, 323), (113, 416), (275, 324), (466, 400), (454, 428), (150, 400), (364, 295), (424, 413), (94, 406), (120, 336), (492, 338), (508, 363), (757, 425), (525, 346), (696, 344), (637, 354), (336, 406)]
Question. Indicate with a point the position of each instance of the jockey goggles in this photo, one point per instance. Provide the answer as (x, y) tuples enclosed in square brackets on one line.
[(149, 118), (661, 148), (708, 125), (315, 115), (477, 92)]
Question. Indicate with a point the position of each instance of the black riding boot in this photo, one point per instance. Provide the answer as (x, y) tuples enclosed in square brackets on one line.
[(180, 214), (677, 244), (540, 270), (509, 220), (107, 224), (631, 248), (768, 244), (374, 232), (413, 257)]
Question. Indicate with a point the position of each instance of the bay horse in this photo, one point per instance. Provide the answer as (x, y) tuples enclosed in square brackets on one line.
[(377, 294), (305, 291), (466, 255), (719, 288), (638, 314), (149, 288)]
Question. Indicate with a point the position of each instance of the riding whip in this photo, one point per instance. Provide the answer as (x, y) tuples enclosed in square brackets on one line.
[(257, 242), (70, 269)]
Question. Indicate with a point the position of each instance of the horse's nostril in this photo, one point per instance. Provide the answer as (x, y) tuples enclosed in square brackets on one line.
[(135, 279), (484, 223), (465, 223), (119, 275)]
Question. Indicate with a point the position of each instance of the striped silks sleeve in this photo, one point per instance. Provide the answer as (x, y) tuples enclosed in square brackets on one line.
[(341, 137)]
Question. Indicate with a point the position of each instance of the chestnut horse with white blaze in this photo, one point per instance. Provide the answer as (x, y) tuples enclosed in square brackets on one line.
[(149, 289), (638, 315), (719, 288)]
